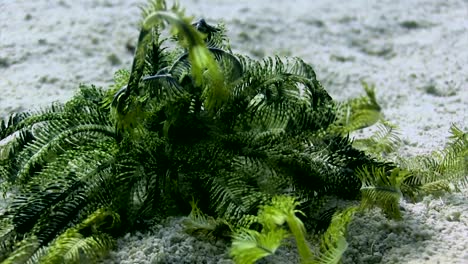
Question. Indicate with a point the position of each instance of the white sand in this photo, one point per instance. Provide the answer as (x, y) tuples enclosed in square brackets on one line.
[(414, 51)]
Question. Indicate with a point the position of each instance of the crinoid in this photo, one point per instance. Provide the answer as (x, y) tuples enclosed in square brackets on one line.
[(191, 121)]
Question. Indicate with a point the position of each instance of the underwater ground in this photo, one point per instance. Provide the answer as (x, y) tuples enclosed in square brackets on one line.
[(413, 51)]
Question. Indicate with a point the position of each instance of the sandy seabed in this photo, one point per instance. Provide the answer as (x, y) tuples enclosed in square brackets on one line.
[(413, 51)]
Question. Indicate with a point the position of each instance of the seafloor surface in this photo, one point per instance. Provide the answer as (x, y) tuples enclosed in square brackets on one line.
[(413, 51)]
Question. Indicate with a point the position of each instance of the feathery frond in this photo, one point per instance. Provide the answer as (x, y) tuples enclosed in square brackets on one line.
[(441, 171), (358, 112), (383, 142), (87, 242), (334, 243), (383, 189)]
